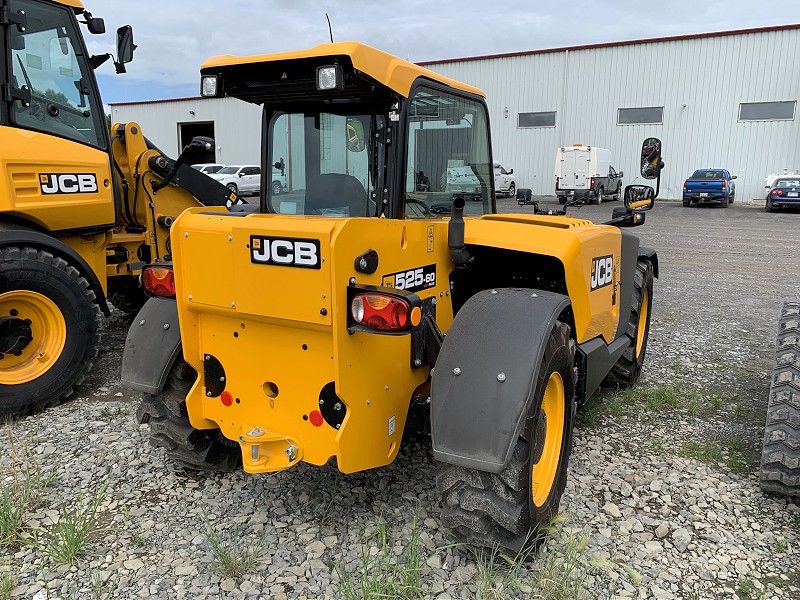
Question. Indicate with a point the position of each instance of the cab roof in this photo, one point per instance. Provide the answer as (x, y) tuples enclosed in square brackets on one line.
[(395, 73), (72, 3)]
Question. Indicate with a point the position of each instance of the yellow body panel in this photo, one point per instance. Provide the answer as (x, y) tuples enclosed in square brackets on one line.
[(575, 243), (393, 72), (286, 328), (72, 3), (27, 156)]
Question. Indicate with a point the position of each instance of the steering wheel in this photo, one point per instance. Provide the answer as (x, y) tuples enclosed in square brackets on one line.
[(420, 208)]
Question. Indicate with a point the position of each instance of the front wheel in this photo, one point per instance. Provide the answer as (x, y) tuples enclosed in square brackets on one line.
[(512, 190), (512, 507), (49, 329), (629, 366), (233, 187), (277, 188)]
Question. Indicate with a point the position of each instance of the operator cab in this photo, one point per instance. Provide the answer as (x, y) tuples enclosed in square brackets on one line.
[(359, 133)]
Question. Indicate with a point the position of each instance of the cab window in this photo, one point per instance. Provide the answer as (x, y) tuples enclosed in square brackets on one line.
[(48, 63), (328, 162), (447, 155)]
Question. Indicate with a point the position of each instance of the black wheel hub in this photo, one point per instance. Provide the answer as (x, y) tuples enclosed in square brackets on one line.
[(15, 335), (539, 434)]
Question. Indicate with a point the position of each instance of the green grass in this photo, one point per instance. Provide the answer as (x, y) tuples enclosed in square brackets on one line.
[(642, 401), (705, 452), (7, 583), (102, 590), (232, 555), (781, 545), (75, 532), (384, 575)]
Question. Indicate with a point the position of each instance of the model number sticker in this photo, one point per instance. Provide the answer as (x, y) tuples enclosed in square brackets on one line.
[(284, 252), (602, 272), (412, 280)]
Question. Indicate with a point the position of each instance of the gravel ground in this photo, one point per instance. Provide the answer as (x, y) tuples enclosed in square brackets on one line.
[(662, 499)]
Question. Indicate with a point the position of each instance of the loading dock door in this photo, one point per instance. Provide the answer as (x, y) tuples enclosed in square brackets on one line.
[(187, 131)]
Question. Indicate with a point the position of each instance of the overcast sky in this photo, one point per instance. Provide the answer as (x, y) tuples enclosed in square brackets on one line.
[(175, 36)]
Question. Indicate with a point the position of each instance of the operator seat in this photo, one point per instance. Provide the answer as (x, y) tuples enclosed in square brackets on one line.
[(337, 193)]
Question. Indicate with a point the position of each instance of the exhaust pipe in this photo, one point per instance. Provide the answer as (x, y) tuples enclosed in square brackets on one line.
[(455, 233)]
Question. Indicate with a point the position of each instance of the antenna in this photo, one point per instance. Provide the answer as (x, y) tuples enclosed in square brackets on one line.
[(330, 31)]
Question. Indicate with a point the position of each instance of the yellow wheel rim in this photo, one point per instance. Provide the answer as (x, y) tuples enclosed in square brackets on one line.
[(543, 473), (641, 330), (46, 337)]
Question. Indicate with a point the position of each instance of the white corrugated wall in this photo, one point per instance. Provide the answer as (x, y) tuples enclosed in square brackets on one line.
[(699, 82), (237, 125)]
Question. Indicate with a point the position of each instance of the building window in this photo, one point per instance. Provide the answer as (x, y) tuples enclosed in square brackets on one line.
[(767, 111), (651, 115), (536, 119)]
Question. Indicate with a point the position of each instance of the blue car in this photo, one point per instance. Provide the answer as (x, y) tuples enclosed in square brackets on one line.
[(784, 193), (709, 185)]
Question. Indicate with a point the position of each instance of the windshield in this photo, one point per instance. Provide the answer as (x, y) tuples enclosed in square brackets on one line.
[(326, 161), (448, 155), (228, 171)]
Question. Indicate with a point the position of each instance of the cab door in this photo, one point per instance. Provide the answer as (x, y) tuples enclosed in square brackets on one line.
[(54, 164)]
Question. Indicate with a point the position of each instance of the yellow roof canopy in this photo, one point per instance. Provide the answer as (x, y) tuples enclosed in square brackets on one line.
[(395, 73)]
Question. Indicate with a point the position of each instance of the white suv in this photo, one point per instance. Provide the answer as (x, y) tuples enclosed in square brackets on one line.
[(240, 179), (504, 182), (208, 168)]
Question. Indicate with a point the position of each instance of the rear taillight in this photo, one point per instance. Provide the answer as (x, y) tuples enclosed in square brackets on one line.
[(777, 193), (381, 312), (159, 281), (684, 185), (724, 185), (556, 183), (592, 183)]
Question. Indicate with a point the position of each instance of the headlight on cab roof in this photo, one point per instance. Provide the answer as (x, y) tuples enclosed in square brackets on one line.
[(330, 78), (209, 86)]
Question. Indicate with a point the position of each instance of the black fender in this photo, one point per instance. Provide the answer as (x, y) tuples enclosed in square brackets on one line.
[(650, 254), (151, 347), (486, 372), (17, 235)]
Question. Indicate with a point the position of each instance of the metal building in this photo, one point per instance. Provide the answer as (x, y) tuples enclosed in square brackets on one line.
[(724, 99)]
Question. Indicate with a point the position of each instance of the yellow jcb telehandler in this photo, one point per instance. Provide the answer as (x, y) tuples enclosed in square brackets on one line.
[(80, 208), (312, 326)]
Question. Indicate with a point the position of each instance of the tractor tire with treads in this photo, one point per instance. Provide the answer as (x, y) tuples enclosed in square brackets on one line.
[(49, 329), (189, 448), (126, 295), (780, 455), (511, 507), (629, 366)]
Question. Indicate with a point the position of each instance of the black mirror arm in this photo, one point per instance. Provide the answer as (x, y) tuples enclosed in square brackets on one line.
[(198, 143), (98, 59), (629, 219)]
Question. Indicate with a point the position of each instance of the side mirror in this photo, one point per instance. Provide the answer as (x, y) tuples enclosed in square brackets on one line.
[(620, 174), (733, 176), (96, 25), (651, 158), (201, 142), (125, 45), (511, 172), (241, 173), (639, 197)]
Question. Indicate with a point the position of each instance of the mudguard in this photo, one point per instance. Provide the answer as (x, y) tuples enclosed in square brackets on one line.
[(485, 375), (152, 345), (650, 254)]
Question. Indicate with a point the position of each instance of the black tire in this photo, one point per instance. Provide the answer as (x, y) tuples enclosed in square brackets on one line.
[(512, 190), (629, 366), (618, 193), (562, 200), (233, 187), (25, 269), (600, 195), (780, 454), (687, 202), (732, 198), (489, 509), (189, 448), (277, 188), (126, 294), (768, 207), (725, 202)]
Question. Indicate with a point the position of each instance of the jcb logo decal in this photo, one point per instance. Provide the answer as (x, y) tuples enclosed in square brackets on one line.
[(284, 252), (68, 183), (602, 272)]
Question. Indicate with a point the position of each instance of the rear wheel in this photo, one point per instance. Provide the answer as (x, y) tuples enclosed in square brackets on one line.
[(190, 448), (780, 455), (687, 202), (49, 329), (510, 508), (618, 192), (233, 187), (599, 198), (629, 366), (768, 206), (277, 188), (562, 199)]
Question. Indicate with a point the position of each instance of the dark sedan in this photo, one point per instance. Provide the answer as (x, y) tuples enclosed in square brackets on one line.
[(784, 193)]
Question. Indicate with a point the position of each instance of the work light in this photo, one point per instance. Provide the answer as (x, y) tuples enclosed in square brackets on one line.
[(330, 78), (209, 86)]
